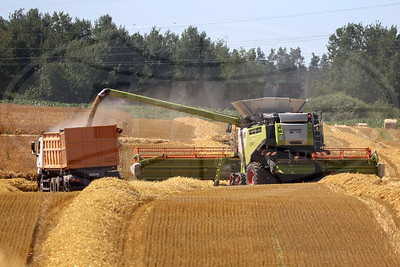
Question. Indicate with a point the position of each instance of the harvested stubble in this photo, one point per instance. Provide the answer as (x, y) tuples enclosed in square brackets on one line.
[(171, 130), (90, 230), (382, 198), (368, 186), (17, 185), (15, 157), (25, 119), (10, 260), (168, 187), (292, 224), (19, 214), (25, 221), (49, 216)]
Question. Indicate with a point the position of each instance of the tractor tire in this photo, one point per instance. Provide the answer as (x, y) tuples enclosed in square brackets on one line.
[(39, 181), (44, 183), (243, 179), (60, 183), (232, 178), (40, 185), (54, 184), (257, 174), (235, 178)]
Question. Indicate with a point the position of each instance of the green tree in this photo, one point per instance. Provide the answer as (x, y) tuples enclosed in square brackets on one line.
[(194, 63), (363, 62)]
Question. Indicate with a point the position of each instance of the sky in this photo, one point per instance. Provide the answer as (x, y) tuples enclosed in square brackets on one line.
[(249, 24)]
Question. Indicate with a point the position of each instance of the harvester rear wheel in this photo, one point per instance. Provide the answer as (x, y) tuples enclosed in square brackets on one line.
[(257, 174)]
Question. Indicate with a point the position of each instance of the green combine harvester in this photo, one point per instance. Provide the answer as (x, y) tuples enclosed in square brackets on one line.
[(276, 143)]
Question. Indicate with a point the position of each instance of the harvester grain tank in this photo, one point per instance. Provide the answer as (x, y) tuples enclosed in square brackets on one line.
[(71, 158), (277, 142)]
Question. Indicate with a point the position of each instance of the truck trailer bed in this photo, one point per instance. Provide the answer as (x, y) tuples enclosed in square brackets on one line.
[(81, 147)]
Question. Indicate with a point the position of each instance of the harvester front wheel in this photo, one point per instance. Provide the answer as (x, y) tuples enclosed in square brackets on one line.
[(257, 174)]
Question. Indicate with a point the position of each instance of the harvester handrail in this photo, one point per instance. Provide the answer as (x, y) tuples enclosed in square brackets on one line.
[(184, 152)]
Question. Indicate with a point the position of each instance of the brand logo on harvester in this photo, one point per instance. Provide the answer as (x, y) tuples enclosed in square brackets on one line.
[(296, 130)]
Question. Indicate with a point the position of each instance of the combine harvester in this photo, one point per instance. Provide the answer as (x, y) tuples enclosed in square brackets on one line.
[(277, 143)]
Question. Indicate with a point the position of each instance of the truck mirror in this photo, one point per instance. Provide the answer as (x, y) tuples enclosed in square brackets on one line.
[(33, 148), (229, 129)]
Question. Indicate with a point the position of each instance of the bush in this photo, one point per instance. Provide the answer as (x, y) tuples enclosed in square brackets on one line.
[(341, 108)]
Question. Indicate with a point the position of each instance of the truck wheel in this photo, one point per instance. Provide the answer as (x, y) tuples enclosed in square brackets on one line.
[(56, 184), (39, 182), (44, 183), (51, 184), (40, 185), (257, 174), (54, 187), (60, 183)]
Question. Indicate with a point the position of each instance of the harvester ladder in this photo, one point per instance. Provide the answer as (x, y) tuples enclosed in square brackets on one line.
[(318, 132), (219, 164)]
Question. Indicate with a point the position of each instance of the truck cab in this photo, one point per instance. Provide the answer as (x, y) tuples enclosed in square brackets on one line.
[(38, 151)]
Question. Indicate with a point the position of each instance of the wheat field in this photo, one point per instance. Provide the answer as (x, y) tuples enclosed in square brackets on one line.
[(345, 219)]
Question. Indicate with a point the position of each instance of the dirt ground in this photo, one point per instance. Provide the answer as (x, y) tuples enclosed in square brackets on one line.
[(345, 219)]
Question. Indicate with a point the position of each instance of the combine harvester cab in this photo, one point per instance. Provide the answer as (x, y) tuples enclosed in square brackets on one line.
[(277, 143), (70, 159)]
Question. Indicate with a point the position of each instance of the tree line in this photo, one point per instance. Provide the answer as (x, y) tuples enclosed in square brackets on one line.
[(55, 57)]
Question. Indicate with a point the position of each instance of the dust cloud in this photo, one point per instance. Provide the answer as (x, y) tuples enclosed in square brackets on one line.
[(101, 113)]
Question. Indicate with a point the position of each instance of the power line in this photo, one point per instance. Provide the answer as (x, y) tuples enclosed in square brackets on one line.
[(132, 53), (272, 17), (69, 2), (232, 43), (160, 61), (279, 41), (231, 21)]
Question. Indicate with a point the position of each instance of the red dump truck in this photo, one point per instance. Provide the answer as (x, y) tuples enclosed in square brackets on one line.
[(71, 158)]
